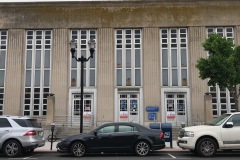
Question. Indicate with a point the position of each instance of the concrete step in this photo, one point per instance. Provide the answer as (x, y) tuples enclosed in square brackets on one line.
[(175, 132)]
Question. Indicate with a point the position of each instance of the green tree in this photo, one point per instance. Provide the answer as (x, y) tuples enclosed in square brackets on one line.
[(222, 66)]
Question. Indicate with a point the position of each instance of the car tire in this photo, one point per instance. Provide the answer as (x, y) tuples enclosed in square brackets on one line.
[(12, 148), (78, 149), (206, 147), (142, 148)]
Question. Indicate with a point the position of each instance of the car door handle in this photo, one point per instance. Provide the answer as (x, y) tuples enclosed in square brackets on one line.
[(6, 131)]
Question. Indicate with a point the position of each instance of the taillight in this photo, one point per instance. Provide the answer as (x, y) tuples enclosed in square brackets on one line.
[(161, 135), (30, 133)]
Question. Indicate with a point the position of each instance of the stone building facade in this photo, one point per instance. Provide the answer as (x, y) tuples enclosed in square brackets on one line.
[(143, 68)]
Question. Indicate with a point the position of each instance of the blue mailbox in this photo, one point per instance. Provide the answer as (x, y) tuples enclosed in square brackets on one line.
[(167, 131)]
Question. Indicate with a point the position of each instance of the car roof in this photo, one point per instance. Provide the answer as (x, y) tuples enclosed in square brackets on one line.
[(123, 123), (235, 113), (126, 123)]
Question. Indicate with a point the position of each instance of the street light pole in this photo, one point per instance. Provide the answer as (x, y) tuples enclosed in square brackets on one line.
[(82, 59), (81, 104)]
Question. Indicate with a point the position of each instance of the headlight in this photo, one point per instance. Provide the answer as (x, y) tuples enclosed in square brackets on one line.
[(188, 134)]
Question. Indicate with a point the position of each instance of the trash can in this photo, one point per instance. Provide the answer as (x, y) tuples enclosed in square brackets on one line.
[(167, 132)]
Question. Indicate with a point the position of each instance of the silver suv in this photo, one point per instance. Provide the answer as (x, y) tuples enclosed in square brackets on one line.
[(19, 135)]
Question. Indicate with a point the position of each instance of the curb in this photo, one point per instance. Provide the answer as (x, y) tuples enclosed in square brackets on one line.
[(173, 150), (47, 151), (165, 150)]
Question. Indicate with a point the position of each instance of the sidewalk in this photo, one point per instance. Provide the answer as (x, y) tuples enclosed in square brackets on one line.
[(47, 147), (174, 147)]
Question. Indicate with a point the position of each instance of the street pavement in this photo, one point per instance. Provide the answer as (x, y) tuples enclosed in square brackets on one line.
[(47, 147)]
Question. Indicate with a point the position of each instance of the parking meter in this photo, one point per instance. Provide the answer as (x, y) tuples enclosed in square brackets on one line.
[(52, 130)]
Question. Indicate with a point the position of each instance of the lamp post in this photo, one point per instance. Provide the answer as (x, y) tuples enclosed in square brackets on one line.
[(82, 59)]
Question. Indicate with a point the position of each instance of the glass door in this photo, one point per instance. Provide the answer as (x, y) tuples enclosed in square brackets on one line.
[(87, 108), (175, 108), (129, 107)]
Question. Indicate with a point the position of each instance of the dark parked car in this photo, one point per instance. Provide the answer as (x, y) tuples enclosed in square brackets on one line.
[(114, 138)]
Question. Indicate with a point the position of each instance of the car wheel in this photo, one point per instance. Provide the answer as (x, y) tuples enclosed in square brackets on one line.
[(12, 148), (206, 147), (142, 148), (78, 149)]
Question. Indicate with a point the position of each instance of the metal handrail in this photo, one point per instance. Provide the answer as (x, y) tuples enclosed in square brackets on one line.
[(198, 121), (65, 120)]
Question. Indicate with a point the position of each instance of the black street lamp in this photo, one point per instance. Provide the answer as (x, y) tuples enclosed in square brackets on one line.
[(73, 46)]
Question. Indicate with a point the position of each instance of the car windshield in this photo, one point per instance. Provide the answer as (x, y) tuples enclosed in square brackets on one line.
[(220, 120)]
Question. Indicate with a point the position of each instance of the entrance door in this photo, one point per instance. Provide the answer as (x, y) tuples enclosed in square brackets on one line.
[(87, 109), (175, 109), (129, 107)]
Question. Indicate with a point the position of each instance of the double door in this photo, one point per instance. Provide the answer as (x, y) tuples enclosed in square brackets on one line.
[(175, 110), (128, 107), (87, 108)]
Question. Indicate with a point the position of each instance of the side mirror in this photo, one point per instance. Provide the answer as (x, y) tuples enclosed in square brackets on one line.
[(95, 133), (229, 125)]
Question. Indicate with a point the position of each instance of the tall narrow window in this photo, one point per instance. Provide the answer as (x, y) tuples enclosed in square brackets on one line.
[(128, 57), (82, 37), (3, 52), (174, 55), (222, 101), (37, 72)]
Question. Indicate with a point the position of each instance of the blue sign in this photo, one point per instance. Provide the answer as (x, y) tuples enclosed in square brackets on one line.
[(152, 109), (152, 116)]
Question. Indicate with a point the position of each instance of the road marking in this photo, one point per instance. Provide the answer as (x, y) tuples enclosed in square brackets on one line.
[(176, 158), (24, 158), (31, 157), (171, 155)]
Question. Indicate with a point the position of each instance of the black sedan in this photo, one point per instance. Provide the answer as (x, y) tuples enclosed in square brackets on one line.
[(114, 138)]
